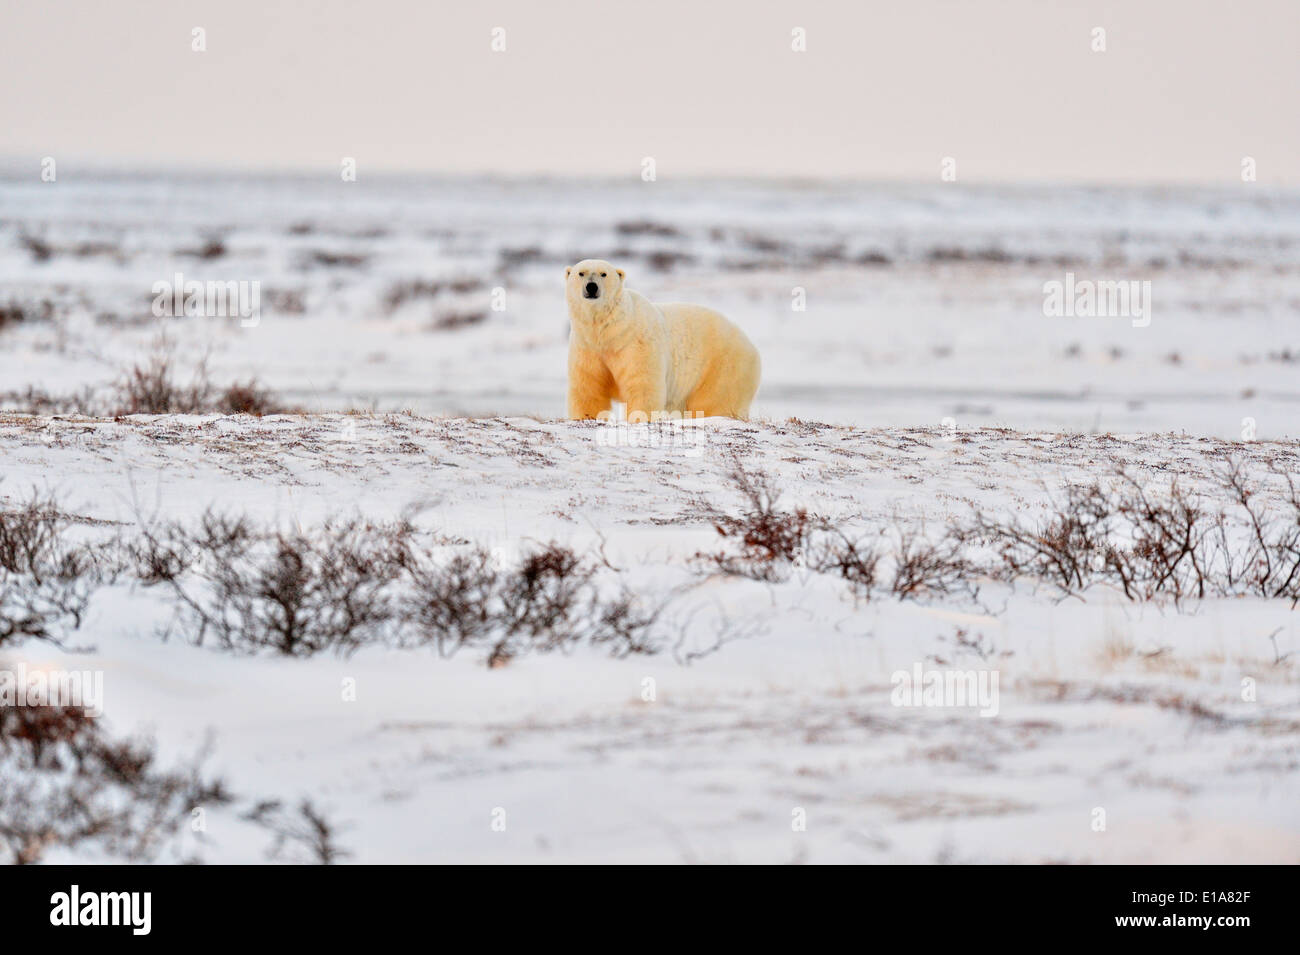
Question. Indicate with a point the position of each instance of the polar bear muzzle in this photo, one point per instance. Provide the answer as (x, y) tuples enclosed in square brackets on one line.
[(591, 290)]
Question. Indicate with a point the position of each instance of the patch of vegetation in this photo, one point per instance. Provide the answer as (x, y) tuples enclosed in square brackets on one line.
[(153, 388), (66, 783), (1152, 545), (45, 579)]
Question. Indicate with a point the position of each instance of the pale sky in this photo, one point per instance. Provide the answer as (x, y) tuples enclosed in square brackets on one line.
[(1011, 89)]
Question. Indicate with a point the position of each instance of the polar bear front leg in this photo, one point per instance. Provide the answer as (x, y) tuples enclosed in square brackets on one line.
[(591, 386), (643, 388)]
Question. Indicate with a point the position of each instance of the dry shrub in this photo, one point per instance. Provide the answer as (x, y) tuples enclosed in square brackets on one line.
[(451, 321), (1263, 556), (355, 584), (664, 261), (646, 227), (1172, 544), (399, 293), (296, 593), (332, 260), (163, 554), (285, 301), (1166, 553), (249, 398), (37, 401), (45, 581), (514, 258), (65, 783), (451, 606), (1069, 548), (547, 601), (853, 561), (153, 388), (213, 247), (302, 837), (927, 568), (41, 250), (15, 312), (768, 541)]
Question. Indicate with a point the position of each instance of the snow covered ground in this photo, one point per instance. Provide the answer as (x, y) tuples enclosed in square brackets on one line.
[(771, 735), (922, 302), (1133, 709)]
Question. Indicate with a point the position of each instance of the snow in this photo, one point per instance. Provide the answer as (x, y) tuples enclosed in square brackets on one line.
[(928, 336), (913, 389), (1134, 709)]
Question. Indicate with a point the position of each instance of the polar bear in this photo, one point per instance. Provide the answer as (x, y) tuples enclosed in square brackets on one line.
[(656, 359)]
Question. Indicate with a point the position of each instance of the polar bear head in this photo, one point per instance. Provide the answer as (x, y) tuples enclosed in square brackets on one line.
[(593, 285)]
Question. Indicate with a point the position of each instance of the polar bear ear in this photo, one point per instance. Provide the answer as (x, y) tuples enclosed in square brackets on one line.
[(567, 270), (621, 274)]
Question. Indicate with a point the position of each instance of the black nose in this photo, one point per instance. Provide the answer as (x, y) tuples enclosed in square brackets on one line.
[(592, 290)]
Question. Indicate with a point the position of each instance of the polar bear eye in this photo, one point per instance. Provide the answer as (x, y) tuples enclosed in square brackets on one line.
[(580, 274), (602, 275)]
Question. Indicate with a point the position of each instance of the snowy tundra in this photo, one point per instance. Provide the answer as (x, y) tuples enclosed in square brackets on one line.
[(769, 729), (913, 374)]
